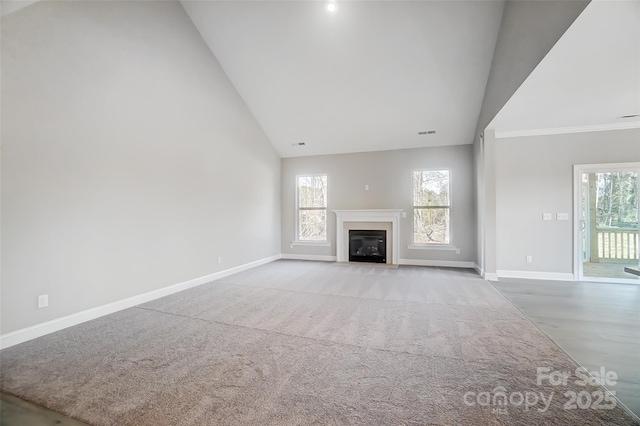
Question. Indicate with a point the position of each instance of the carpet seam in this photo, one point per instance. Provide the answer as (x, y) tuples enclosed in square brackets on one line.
[(297, 336), (332, 295)]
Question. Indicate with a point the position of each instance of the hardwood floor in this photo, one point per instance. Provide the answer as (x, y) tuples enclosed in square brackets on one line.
[(17, 412), (598, 324), (610, 270)]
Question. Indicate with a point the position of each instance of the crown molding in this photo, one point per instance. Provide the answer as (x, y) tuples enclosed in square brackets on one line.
[(565, 130)]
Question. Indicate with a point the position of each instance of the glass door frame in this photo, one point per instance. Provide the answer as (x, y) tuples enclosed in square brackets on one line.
[(578, 170)]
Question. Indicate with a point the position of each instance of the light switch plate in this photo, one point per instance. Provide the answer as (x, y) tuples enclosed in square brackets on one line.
[(547, 216), (404, 214), (562, 216)]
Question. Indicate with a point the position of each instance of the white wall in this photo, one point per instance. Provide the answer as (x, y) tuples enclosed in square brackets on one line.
[(129, 161), (535, 175), (388, 174)]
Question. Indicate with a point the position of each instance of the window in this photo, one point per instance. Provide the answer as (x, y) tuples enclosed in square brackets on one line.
[(312, 208), (431, 207)]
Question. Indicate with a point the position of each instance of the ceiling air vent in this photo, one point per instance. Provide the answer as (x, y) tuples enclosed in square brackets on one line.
[(428, 132)]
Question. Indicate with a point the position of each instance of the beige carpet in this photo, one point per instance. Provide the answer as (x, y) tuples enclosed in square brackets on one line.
[(299, 343)]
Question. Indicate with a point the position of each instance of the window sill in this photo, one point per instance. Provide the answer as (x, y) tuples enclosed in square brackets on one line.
[(433, 247), (311, 243)]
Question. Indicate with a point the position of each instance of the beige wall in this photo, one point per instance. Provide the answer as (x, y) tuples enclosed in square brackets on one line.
[(129, 162), (535, 175), (388, 174)]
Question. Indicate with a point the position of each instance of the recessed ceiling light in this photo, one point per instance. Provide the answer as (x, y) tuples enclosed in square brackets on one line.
[(630, 116), (331, 7)]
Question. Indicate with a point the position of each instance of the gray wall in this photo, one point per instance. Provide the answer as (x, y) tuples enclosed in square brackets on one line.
[(535, 175), (388, 174), (129, 161), (529, 29)]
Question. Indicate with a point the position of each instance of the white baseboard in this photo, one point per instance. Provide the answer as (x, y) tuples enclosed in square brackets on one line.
[(319, 257), (38, 330), (478, 269), (444, 263), (534, 275), (490, 276)]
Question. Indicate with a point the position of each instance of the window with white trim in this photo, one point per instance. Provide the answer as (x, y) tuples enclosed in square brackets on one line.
[(431, 207), (311, 206)]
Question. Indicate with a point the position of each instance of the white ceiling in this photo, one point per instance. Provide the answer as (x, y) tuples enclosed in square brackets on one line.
[(374, 74), (367, 78), (587, 81)]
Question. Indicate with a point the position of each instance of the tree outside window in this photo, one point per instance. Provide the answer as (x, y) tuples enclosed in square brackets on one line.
[(312, 208), (431, 207)]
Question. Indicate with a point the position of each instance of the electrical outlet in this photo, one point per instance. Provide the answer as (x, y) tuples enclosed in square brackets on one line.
[(43, 301), (547, 216), (562, 216), (219, 259), (529, 259), (290, 245), (404, 214), (366, 187), (457, 250)]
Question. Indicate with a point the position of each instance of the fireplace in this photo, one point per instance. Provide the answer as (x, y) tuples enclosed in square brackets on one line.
[(367, 246), (378, 219)]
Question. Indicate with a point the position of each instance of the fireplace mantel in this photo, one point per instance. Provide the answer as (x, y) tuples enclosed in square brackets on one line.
[(391, 216)]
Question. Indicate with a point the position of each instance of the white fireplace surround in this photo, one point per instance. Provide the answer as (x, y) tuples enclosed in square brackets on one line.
[(376, 215)]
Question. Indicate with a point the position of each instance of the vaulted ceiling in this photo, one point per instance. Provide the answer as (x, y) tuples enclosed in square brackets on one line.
[(587, 82), (374, 74), (369, 77)]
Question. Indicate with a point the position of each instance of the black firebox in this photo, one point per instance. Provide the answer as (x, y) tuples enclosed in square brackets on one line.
[(368, 246)]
